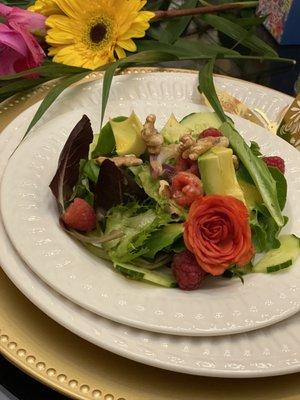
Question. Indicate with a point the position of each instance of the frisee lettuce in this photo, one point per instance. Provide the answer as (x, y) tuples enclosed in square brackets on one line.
[(137, 222)]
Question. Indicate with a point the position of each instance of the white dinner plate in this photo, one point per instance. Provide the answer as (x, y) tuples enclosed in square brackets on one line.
[(271, 351), (31, 220)]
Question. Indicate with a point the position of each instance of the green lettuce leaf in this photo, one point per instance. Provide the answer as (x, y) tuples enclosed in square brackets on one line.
[(137, 223), (151, 187), (106, 143), (255, 148), (281, 185), (163, 238)]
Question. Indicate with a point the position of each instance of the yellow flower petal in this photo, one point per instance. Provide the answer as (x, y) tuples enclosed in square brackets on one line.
[(45, 7), (63, 23), (127, 44), (58, 37), (92, 33), (120, 52)]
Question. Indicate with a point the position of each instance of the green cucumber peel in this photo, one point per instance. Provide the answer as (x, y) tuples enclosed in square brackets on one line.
[(278, 267)]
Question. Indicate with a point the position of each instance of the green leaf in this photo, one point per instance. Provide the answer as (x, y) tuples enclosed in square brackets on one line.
[(137, 224), (256, 167), (239, 34), (90, 170), (106, 142), (150, 186), (144, 57), (207, 87), (175, 27), (238, 272), (50, 69), (259, 236), (281, 185), (21, 85), (255, 148), (52, 96), (163, 238), (184, 48)]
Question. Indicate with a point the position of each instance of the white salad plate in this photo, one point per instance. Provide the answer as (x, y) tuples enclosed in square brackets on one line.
[(31, 220), (270, 351)]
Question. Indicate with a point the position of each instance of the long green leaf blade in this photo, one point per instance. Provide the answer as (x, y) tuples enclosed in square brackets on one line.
[(239, 34), (21, 85), (187, 48), (207, 87), (145, 57), (107, 80), (256, 167), (51, 70), (52, 96), (175, 27), (258, 170)]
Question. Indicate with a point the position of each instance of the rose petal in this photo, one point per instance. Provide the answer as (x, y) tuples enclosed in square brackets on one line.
[(217, 231), (28, 20), (19, 49)]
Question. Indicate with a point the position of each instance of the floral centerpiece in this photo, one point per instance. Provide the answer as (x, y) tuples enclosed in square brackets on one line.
[(66, 39)]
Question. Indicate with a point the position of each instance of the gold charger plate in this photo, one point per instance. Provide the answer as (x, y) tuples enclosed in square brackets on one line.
[(67, 363)]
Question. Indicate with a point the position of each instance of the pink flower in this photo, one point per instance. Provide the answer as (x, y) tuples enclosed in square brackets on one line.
[(30, 21), (19, 49)]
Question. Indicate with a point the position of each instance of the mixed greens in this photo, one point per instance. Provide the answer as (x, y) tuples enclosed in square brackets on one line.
[(174, 206)]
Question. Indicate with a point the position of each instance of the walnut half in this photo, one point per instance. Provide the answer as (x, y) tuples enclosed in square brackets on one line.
[(192, 149)]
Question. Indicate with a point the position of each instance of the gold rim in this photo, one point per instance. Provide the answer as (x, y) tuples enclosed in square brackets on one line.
[(29, 359)]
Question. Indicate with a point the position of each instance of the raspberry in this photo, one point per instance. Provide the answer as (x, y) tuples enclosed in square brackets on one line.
[(186, 188), (275, 161), (188, 273), (80, 216), (212, 132), (187, 165)]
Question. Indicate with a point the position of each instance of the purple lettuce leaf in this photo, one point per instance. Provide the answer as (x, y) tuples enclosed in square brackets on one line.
[(75, 149), (115, 186)]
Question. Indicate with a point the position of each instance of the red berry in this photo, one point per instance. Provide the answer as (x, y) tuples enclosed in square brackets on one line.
[(186, 188), (187, 165), (188, 273), (210, 132), (80, 216), (275, 161)]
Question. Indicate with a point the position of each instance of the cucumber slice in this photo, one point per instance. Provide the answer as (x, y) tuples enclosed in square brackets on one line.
[(278, 267), (283, 257), (139, 274), (197, 122)]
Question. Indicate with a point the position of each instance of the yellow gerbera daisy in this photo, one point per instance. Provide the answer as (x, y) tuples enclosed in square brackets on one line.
[(93, 33), (45, 7)]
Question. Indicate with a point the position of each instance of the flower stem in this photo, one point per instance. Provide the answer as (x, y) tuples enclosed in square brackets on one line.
[(175, 13)]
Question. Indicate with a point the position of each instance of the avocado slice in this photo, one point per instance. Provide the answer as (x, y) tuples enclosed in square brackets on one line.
[(251, 194), (218, 174), (173, 130), (128, 136)]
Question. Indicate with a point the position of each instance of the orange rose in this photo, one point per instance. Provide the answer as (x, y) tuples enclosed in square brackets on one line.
[(217, 231)]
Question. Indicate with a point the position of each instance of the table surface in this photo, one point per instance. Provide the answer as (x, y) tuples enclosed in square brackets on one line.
[(14, 384)]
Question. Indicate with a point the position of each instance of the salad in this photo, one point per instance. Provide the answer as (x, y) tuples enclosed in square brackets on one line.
[(174, 206)]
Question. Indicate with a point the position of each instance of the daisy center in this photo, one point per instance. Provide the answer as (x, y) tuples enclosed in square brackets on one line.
[(99, 32)]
